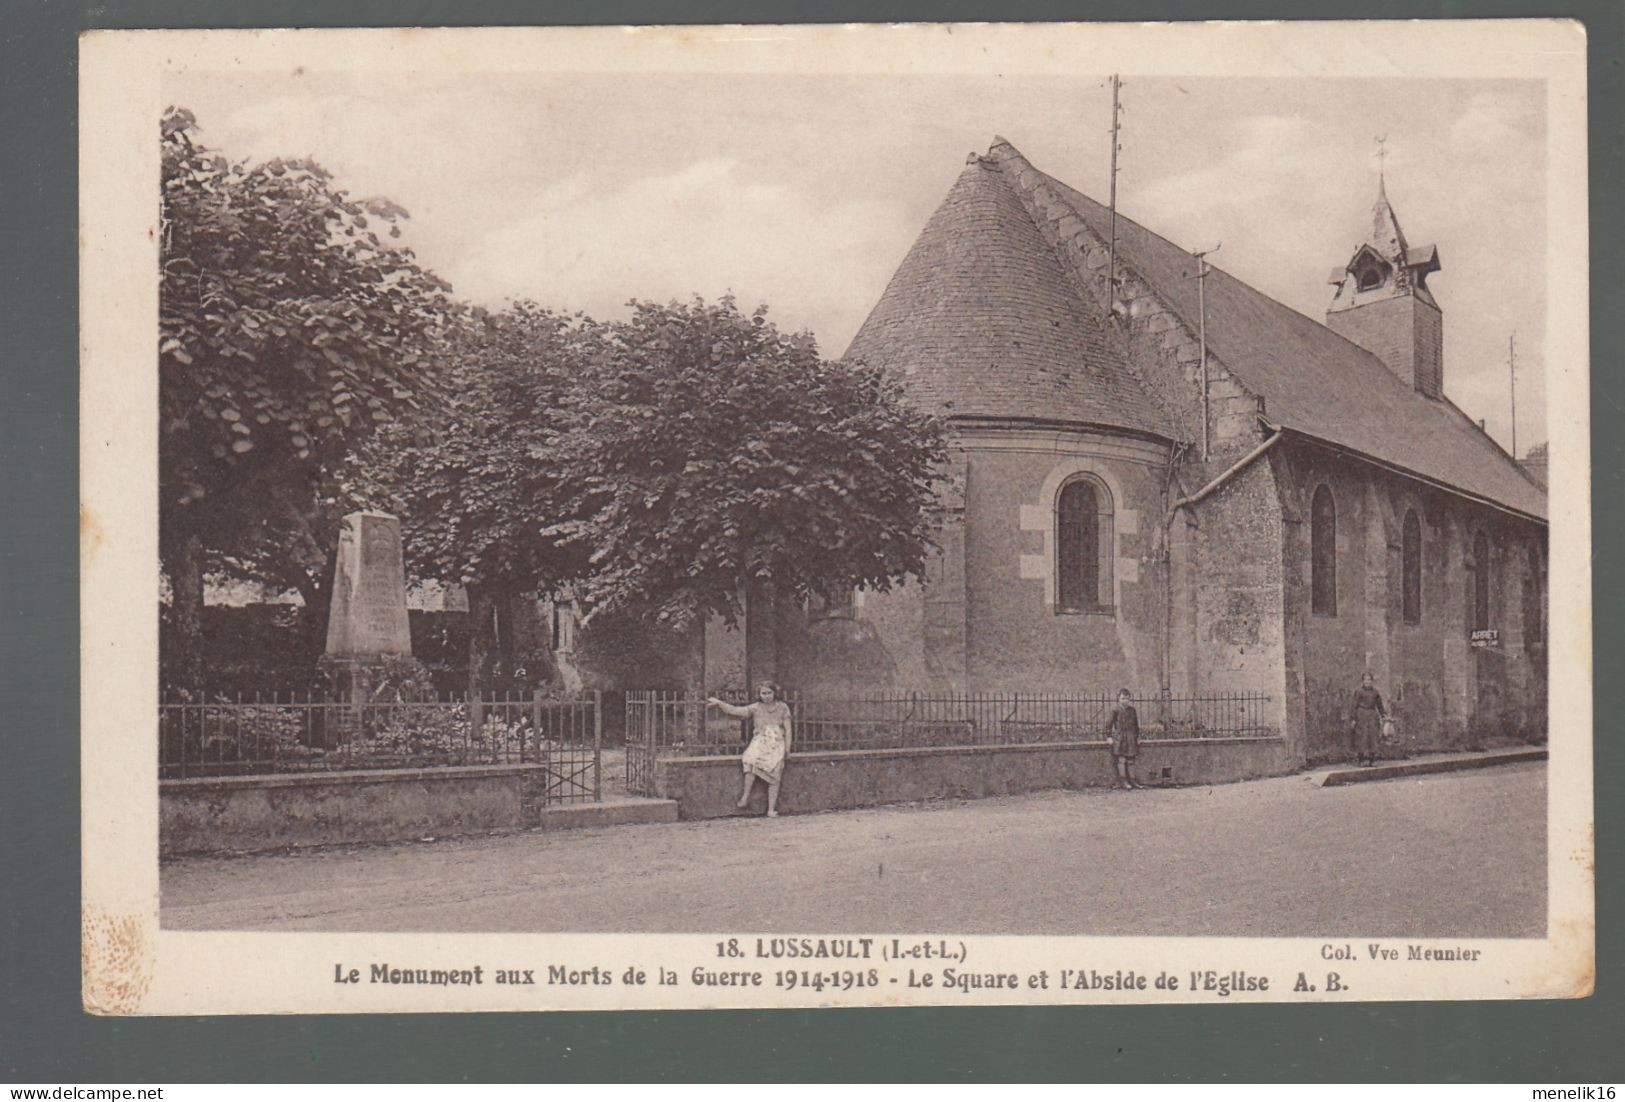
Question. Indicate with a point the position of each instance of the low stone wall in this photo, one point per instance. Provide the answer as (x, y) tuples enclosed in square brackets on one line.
[(707, 787), (227, 814)]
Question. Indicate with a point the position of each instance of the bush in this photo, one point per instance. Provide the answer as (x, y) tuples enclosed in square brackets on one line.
[(442, 734), (225, 737)]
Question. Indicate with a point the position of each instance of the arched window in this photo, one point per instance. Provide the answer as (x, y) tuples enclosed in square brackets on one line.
[(1534, 601), (1481, 582), (1323, 553), (1083, 547), (1410, 565)]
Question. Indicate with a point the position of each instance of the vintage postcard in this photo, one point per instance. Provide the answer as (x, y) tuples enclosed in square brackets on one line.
[(618, 518)]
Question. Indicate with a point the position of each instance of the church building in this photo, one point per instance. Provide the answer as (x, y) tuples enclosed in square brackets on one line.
[(1299, 507)]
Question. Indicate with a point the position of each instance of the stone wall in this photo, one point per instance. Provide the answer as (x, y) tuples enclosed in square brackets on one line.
[(1018, 638), (1228, 633), (706, 788), (997, 627), (225, 814), (1335, 649), (1445, 693)]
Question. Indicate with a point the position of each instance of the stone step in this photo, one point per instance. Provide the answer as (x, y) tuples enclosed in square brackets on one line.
[(621, 811), (1417, 767)]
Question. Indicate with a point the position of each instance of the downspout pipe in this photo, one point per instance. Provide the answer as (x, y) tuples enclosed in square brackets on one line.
[(1234, 469)]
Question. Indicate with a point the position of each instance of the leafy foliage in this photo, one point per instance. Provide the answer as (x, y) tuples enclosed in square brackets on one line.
[(481, 492), (711, 449), (434, 733), (289, 331), (308, 364)]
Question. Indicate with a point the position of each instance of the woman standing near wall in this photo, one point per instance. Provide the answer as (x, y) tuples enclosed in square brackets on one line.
[(1367, 720), (769, 745)]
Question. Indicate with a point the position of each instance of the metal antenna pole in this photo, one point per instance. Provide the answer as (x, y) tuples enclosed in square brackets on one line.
[(1111, 249), (1202, 270), (1512, 378)]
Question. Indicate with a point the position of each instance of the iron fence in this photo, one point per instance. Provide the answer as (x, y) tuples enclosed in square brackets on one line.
[(662, 724), (295, 734)]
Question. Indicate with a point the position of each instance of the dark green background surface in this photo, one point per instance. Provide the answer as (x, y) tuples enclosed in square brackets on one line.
[(45, 1038)]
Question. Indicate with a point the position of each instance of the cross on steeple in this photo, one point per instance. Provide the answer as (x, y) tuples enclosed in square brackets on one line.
[(1382, 154)]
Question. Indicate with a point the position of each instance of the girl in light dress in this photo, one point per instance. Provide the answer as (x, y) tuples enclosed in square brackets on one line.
[(769, 745)]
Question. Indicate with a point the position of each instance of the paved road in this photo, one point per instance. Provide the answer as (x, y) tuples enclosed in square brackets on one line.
[(1456, 855)]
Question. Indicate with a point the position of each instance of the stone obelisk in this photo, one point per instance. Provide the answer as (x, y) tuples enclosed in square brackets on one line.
[(367, 621)]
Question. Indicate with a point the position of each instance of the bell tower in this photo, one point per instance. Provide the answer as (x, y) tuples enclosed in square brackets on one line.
[(1382, 302)]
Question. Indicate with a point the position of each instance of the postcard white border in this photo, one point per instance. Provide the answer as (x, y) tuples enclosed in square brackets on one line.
[(134, 967)]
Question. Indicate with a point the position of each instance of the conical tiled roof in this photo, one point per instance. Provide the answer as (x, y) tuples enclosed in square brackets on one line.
[(980, 320)]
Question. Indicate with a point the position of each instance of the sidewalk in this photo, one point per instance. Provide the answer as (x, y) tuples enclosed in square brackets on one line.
[(1423, 764)]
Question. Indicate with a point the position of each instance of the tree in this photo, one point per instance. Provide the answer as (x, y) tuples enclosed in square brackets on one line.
[(481, 493), (292, 544), (288, 332), (724, 466)]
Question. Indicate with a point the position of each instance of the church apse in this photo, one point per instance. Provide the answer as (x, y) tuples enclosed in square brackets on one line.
[(1062, 587)]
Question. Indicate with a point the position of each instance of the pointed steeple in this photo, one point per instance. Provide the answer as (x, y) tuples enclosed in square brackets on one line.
[(1385, 264), (1382, 302), (1386, 236)]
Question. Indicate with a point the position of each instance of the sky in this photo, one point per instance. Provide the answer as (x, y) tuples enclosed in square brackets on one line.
[(582, 191)]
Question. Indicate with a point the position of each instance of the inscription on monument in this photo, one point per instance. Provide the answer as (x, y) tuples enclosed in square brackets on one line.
[(369, 590)]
